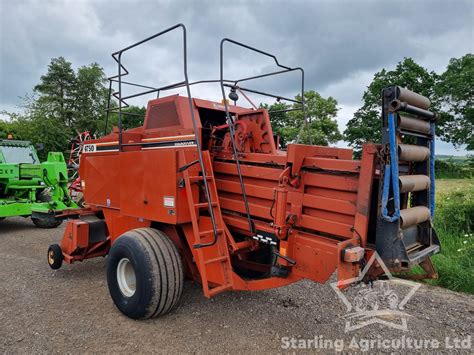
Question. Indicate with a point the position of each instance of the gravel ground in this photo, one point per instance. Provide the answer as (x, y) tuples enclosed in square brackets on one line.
[(70, 311)]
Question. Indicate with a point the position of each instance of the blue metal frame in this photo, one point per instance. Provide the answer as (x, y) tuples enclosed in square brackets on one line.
[(432, 169), (391, 171)]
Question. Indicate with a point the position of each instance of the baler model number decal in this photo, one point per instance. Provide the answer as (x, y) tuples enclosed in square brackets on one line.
[(96, 148), (89, 148)]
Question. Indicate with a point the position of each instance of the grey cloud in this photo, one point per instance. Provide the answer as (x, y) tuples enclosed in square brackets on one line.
[(334, 41)]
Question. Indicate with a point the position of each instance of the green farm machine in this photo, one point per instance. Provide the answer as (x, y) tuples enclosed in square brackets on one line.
[(29, 188)]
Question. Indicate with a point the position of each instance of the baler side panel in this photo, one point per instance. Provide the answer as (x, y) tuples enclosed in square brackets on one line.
[(100, 174), (324, 202), (150, 181)]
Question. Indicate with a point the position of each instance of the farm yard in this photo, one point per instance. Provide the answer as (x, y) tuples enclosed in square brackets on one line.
[(69, 310)]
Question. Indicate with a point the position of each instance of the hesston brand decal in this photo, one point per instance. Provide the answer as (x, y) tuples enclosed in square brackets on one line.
[(185, 143), (169, 144), (113, 146)]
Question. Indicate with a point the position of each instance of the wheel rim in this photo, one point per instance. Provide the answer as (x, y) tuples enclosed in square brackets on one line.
[(51, 257), (126, 277)]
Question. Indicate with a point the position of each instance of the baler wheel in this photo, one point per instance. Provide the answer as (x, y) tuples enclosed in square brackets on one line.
[(144, 273), (46, 223), (55, 256), (2, 218)]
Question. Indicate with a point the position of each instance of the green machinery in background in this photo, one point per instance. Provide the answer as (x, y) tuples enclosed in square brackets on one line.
[(29, 188)]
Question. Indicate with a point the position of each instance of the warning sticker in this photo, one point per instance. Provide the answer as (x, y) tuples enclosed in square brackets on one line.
[(168, 201)]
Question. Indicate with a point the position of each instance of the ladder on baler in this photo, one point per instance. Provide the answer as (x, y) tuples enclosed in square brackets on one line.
[(209, 244), (405, 236)]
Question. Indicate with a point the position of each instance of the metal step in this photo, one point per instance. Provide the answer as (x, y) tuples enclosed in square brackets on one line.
[(219, 289), (200, 178), (205, 205), (216, 260)]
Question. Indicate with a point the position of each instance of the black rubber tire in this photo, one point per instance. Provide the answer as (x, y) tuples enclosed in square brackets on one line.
[(55, 256), (2, 218), (158, 273), (46, 223)]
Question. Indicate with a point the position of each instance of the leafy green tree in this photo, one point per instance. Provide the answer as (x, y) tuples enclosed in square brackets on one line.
[(366, 124), (8, 124), (456, 91), (321, 115), (57, 90), (36, 127), (283, 124), (76, 99), (322, 126), (91, 95), (42, 129)]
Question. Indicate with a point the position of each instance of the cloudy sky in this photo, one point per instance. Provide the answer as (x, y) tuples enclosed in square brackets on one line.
[(340, 44)]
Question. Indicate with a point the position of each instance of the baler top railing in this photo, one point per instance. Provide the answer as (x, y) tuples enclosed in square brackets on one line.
[(118, 58), (122, 103), (235, 86)]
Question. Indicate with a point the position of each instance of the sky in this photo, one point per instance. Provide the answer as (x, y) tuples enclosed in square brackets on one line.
[(340, 44)]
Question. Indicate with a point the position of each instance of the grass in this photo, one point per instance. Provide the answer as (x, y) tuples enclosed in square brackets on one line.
[(454, 224)]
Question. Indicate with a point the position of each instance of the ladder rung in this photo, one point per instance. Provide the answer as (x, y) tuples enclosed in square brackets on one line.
[(205, 205), (218, 259), (200, 178), (219, 289), (211, 231)]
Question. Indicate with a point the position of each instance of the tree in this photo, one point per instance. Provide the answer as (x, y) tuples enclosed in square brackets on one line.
[(56, 91), (7, 124), (283, 124), (322, 126), (91, 95), (456, 91), (366, 124), (321, 115), (36, 129), (77, 100)]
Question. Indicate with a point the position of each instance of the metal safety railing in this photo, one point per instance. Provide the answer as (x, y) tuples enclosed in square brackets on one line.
[(224, 83), (185, 83), (236, 85)]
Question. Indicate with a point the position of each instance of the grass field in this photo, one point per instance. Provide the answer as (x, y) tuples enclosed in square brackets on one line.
[(454, 223)]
